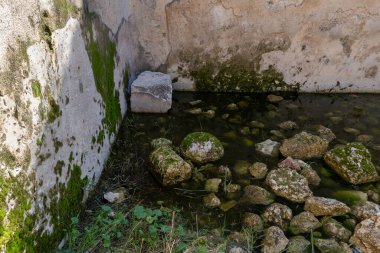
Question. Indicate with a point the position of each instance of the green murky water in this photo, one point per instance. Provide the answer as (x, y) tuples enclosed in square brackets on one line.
[(129, 162)]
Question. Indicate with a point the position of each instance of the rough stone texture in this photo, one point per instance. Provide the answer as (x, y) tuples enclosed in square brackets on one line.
[(268, 147), (353, 163), (202, 147), (335, 229), (304, 223), (255, 195), (367, 235), (289, 184), (169, 167), (151, 92), (278, 214), (320, 206), (365, 210), (253, 221), (274, 241), (328, 246), (298, 244), (304, 146)]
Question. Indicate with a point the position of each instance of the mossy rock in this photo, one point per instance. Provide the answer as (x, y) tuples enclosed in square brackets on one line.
[(169, 167), (353, 163), (201, 147)]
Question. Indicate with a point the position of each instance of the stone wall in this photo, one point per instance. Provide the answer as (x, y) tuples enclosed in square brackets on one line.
[(245, 45), (62, 82)]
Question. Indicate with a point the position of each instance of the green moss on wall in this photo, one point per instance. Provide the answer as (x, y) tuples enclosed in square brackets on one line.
[(53, 110), (36, 89), (236, 76), (103, 63), (7, 157)]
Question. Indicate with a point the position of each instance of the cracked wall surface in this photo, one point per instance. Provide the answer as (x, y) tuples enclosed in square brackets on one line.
[(313, 45)]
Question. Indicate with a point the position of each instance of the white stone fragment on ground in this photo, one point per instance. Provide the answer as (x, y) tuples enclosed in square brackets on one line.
[(268, 147), (151, 92), (116, 196)]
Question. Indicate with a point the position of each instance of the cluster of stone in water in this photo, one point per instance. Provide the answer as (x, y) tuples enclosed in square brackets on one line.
[(290, 181)]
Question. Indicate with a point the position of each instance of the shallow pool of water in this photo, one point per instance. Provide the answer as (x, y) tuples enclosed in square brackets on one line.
[(129, 162)]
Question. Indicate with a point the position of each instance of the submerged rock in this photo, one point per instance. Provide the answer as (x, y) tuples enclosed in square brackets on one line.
[(258, 170), (288, 125), (326, 133), (278, 214), (211, 201), (367, 235), (311, 175), (350, 130), (226, 206), (156, 143), (320, 206), (304, 146), (232, 107), (290, 163), (274, 98), (365, 210), (274, 241), (364, 138), (253, 221), (233, 191), (351, 197), (169, 167), (304, 223), (195, 111), (256, 124), (212, 185), (151, 92), (201, 147), (298, 244), (268, 147), (353, 163), (255, 195), (241, 168), (335, 229), (289, 184)]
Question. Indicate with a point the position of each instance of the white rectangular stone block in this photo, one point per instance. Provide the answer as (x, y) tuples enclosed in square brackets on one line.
[(151, 92)]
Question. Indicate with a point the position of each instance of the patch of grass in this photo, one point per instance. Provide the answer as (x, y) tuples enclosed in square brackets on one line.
[(7, 158), (139, 229)]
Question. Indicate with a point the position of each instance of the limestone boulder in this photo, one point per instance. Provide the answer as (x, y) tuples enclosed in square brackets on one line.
[(274, 241), (298, 244), (353, 163), (365, 210), (151, 92), (304, 223), (268, 148), (256, 195), (367, 235), (304, 146), (320, 206), (278, 214), (289, 184), (201, 147), (168, 167), (335, 229)]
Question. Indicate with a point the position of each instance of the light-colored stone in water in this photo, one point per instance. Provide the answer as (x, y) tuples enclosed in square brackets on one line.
[(367, 235), (256, 195), (353, 163), (311, 175), (116, 196), (289, 184), (241, 168), (365, 210), (256, 124), (201, 147), (156, 143), (325, 133), (304, 146), (274, 98), (290, 163), (151, 92), (232, 107), (211, 201), (288, 125), (169, 167), (233, 191), (268, 147), (320, 206), (258, 170), (195, 111), (304, 222), (253, 221), (212, 185), (277, 214), (274, 241), (226, 206), (350, 130)]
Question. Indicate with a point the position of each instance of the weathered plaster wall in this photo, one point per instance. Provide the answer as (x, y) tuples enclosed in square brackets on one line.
[(62, 82), (318, 45)]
